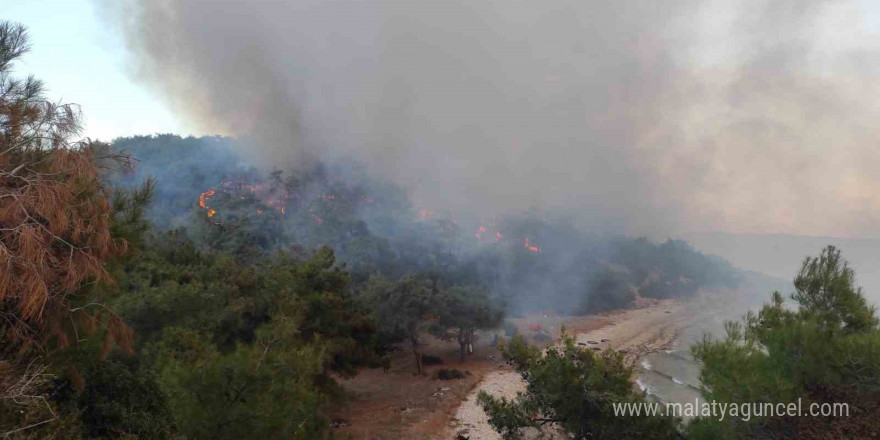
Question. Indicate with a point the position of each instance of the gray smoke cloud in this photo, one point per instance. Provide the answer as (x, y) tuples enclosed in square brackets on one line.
[(628, 116)]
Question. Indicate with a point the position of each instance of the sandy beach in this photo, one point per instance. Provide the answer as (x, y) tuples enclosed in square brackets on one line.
[(636, 331)]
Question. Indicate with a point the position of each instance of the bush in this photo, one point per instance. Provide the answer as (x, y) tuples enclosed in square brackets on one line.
[(450, 374), (824, 351), (542, 337), (609, 289), (114, 398), (267, 390), (428, 360), (575, 389)]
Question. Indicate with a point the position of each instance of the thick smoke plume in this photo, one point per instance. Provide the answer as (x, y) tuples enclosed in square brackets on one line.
[(629, 116)]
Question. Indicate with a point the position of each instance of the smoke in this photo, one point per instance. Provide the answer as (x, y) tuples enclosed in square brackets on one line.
[(627, 116)]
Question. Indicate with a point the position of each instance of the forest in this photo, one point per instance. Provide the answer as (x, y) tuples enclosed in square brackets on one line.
[(166, 287)]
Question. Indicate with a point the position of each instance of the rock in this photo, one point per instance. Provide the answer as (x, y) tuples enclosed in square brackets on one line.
[(339, 423)]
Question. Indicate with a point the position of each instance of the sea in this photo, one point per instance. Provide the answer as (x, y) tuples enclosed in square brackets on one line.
[(673, 375)]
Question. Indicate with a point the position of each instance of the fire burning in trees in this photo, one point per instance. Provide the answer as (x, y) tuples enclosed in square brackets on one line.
[(203, 198), (480, 232), (273, 198), (279, 204), (203, 201), (531, 247), (269, 199), (483, 233)]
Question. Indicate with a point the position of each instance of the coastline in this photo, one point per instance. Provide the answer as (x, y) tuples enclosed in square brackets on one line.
[(639, 332)]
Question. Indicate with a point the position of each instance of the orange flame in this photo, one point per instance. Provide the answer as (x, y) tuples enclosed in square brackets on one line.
[(278, 203), (531, 247), (480, 232), (203, 198), (203, 201)]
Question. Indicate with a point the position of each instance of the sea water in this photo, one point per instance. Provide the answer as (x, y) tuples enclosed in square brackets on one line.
[(673, 375)]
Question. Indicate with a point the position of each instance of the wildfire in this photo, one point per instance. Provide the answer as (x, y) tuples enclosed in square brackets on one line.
[(487, 232), (531, 247), (238, 187), (203, 198), (279, 204), (480, 232), (203, 201), (424, 214)]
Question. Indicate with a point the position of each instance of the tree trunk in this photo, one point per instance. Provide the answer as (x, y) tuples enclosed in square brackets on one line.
[(415, 349), (462, 345)]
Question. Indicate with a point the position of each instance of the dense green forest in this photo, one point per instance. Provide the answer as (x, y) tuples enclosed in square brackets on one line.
[(156, 287)]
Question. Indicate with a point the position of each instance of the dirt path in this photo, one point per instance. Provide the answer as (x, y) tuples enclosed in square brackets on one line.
[(638, 332)]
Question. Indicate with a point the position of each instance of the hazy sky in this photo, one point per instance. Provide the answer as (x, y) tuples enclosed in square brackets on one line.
[(640, 117), (82, 61)]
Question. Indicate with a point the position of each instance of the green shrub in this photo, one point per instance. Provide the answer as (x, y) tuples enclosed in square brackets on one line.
[(825, 350), (575, 389)]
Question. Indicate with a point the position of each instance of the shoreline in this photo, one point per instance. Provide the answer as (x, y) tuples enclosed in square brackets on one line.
[(639, 332)]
